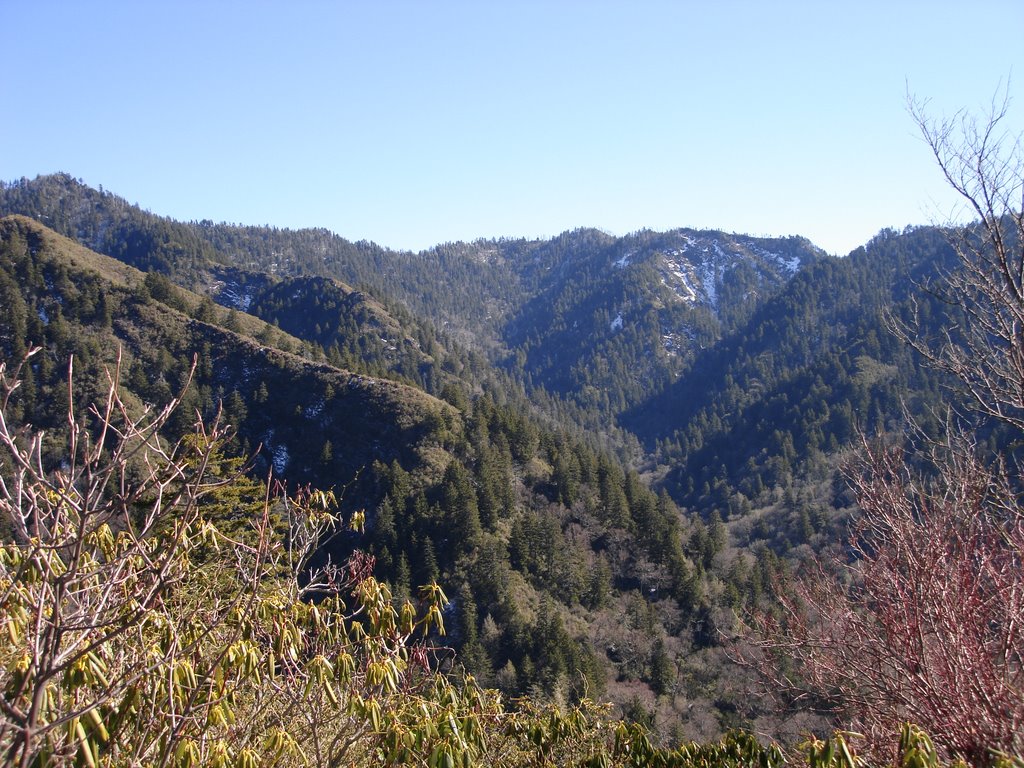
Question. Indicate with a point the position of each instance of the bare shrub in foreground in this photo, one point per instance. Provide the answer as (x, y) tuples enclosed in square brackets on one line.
[(921, 619)]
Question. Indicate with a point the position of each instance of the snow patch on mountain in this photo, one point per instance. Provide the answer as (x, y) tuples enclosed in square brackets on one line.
[(232, 296), (617, 323), (692, 268), (708, 276), (280, 459), (278, 453), (670, 341), (679, 275), (788, 265), (693, 265)]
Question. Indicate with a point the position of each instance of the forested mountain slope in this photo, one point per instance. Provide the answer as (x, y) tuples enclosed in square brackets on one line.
[(465, 395), (77, 303), (597, 323), (811, 368), (568, 574)]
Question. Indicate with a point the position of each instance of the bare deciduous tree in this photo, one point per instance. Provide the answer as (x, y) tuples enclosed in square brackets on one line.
[(984, 164), (920, 618)]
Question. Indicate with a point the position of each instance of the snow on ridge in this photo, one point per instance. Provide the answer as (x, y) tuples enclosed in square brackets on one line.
[(788, 265), (692, 265), (791, 265), (683, 287), (708, 275), (625, 260)]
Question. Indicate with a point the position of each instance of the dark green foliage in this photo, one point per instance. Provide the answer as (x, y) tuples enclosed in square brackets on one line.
[(663, 670), (159, 288)]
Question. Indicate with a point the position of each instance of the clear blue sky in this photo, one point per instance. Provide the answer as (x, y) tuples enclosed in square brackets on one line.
[(416, 123)]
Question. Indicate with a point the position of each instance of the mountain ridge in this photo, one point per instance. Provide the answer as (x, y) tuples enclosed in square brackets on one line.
[(254, 346)]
